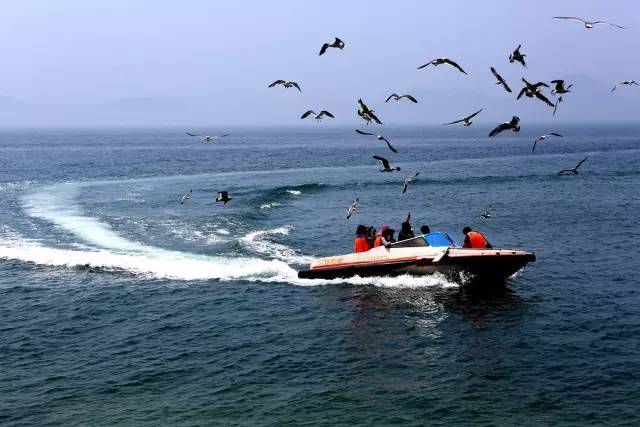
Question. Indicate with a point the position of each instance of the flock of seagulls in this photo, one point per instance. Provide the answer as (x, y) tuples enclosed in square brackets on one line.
[(530, 90)]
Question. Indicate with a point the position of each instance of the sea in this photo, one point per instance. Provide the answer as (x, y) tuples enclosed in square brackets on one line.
[(121, 306)]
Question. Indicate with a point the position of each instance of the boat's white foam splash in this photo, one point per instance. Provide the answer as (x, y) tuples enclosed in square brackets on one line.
[(258, 241), (112, 252)]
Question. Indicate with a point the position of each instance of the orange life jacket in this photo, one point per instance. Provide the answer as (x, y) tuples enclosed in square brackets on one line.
[(361, 244), (377, 242), (475, 240)]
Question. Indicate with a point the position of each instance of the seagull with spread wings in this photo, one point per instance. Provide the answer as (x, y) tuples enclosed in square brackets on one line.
[(575, 169), (516, 56), (543, 137), (408, 180), (379, 138), (223, 197), (386, 167), (352, 208), (186, 196), (625, 83), (589, 24), (532, 90), (465, 120), (512, 125), (207, 138), (337, 43), (560, 87), (367, 114), (319, 116), (286, 84), (441, 61), (502, 82), (397, 97)]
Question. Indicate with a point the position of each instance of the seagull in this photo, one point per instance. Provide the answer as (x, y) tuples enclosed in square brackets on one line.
[(626, 83), (500, 81), (385, 165), (186, 197), (560, 87), (379, 138), (408, 180), (517, 56), (573, 170), (555, 107), (533, 90), (466, 120), (208, 138), (542, 138), (440, 61), (337, 43), (286, 84), (588, 24), (513, 125), (397, 97), (366, 113), (352, 208), (486, 214), (223, 196), (318, 116)]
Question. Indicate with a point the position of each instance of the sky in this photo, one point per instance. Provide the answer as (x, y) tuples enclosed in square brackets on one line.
[(208, 63)]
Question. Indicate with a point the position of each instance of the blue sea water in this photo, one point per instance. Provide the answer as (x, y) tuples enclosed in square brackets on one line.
[(119, 306)]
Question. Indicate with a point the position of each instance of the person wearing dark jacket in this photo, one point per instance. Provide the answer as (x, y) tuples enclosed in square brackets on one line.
[(406, 232)]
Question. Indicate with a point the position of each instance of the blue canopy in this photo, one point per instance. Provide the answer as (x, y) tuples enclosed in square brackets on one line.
[(440, 238)]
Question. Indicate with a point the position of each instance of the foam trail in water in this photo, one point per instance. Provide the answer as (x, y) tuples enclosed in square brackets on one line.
[(257, 242), (57, 204)]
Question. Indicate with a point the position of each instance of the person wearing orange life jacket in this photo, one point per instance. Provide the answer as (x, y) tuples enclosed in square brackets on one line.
[(361, 243), (384, 237), (475, 239)]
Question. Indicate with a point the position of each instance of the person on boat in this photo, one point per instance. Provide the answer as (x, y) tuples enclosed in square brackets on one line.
[(384, 237), (361, 244), (475, 239), (406, 232), (425, 229)]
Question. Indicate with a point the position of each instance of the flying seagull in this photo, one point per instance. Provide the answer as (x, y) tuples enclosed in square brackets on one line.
[(573, 170), (337, 43), (385, 165), (379, 138), (533, 90), (542, 138), (513, 125), (487, 213), (466, 120), (560, 88), (500, 81), (440, 61), (626, 83), (223, 196), (555, 107), (352, 208), (286, 84), (589, 24), (186, 197), (319, 116), (397, 97), (208, 138), (408, 180), (517, 56), (366, 113)]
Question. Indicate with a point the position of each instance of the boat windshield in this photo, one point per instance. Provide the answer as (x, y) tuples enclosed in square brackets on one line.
[(440, 238)]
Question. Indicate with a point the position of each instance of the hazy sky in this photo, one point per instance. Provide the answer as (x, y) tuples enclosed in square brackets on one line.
[(188, 62)]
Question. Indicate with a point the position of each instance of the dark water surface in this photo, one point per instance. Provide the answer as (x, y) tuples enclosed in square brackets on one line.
[(121, 306)]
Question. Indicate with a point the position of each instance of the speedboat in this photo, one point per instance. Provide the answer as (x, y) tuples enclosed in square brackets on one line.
[(424, 255)]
